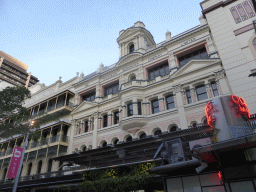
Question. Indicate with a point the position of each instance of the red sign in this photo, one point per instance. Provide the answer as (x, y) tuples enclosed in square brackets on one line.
[(15, 162), (241, 105), (208, 113)]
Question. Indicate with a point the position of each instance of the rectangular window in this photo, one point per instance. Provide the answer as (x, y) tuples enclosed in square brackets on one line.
[(155, 106), (188, 96), (89, 97), (170, 102), (201, 93), (116, 117), (139, 108), (105, 120), (111, 89), (129, 109), (214, 89), (159, 70), (199, 54), (86, 126)]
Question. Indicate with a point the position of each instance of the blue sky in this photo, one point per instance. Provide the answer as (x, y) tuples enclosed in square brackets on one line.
[(62, 37)]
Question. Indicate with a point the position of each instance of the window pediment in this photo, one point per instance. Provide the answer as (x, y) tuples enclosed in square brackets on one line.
[(83, 106), (195, 65), (128, 58)]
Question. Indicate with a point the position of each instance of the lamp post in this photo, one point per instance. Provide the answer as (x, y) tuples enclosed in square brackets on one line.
[(22, 157)]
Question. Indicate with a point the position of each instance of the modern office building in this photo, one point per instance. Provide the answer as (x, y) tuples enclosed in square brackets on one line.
[(14, 73), (156, 92)]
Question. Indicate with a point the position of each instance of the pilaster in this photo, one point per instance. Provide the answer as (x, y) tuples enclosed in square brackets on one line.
[(180, 105), (95, 132)]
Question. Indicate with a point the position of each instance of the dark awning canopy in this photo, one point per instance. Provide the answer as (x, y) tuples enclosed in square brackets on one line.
[(133, 151)]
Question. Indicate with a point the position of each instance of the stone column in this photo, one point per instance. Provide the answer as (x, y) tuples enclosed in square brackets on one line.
[(208, 88), (221, 83), (72, 133), (109, 118), (95, 131), (181, 110), (184, 97), (135, 106), (124, 113), (120, 114), (193, 95), (161, 102)]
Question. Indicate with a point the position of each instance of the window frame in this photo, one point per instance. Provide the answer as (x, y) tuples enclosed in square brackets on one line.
[(200, 94), (89, 95), (116, 117), (111, 87), (152, 106), (157, 69), (105, 121), (131, 48), (139, 108), (130, 111), (214, 90), (167, 104), (189, 98), (191, 55)]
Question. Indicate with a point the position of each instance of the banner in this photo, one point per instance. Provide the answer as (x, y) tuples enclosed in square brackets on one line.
[(15, 162)]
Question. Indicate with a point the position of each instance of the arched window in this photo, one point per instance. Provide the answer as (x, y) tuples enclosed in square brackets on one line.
[(84, 148), (193, 124), (254, 43), (29, 168), (104, 144), (143, 136), (49, 165), (129, 138), (39, 167), (174, 128), (131, 48), (115, 141), (132, 77), (158, 132)]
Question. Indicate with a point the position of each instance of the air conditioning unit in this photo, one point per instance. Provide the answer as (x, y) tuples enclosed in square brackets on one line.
[(199, 143)]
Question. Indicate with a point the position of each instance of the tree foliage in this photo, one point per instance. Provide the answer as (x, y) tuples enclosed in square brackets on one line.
[(14, 117), (118, 179), (12, 113)]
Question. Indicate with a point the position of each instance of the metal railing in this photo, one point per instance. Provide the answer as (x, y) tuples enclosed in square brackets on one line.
[(64, 138), (60, 104), (34, 144), (69, 104), (37, 176), (50, 108), (9, 151), (243, 129), (2, 153)]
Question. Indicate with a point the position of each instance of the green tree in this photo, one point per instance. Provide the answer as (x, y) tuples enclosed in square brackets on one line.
[(14, 117), (12, 114)]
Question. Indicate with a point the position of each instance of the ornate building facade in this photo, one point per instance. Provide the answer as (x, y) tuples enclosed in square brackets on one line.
[(153, 89)]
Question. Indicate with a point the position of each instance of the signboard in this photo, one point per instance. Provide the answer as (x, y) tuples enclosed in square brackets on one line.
[(15, 162)]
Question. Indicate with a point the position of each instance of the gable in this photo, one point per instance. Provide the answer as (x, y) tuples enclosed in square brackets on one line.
[(195, 65), (128, 58), (128, 33), (83, 106)]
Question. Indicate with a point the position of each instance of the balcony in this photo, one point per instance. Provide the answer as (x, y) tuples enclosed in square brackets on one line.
[(48, 141), (59, 104), (133, 122)]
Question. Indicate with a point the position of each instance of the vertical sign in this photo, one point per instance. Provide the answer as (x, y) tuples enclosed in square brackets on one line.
[(15, 162)]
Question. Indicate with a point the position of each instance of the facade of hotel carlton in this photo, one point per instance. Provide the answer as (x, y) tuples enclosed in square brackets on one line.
[(153, 89)]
